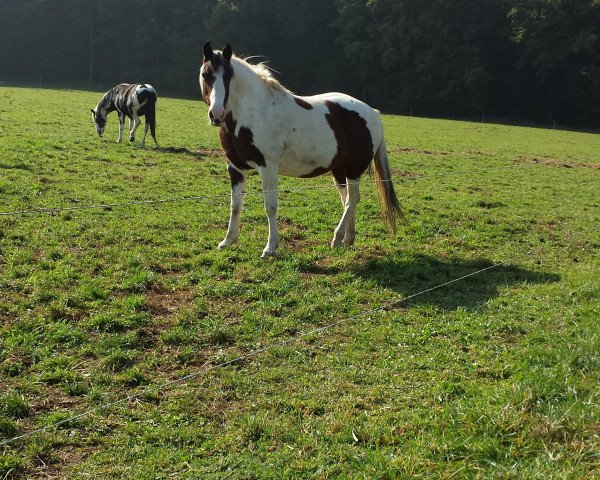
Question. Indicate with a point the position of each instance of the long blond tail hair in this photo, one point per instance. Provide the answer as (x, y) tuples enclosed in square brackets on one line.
[(391, 212)]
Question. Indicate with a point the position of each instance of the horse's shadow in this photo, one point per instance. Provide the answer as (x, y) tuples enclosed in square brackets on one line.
[(200, 153), (427, 281), (18, 166)]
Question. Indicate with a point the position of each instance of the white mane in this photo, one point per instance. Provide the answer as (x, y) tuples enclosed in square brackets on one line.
[(264, 73)]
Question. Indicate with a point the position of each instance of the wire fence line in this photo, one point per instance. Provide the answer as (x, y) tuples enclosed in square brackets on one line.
[(103, 206), (255, 353), (195, 198), (252, 354)]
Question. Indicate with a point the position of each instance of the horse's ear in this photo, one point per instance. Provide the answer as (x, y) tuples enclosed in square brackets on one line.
[(208, 52), (227, 52)]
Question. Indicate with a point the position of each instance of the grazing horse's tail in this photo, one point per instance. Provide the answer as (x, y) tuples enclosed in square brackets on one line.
[(390, 207), (151, 115)]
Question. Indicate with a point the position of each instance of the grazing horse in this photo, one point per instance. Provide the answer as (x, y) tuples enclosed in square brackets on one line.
[(265, 127), (132, 100)]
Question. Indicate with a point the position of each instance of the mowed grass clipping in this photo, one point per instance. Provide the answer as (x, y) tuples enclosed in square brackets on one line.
[(492, 376)]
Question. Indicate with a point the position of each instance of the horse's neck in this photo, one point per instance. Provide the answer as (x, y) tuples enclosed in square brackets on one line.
[(107, 102), (249, 93)]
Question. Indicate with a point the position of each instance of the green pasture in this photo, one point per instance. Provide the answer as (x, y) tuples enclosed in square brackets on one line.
[(493, 376)]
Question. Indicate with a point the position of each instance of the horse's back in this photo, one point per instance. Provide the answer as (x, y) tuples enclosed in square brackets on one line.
[(328, 132), (342, 109)]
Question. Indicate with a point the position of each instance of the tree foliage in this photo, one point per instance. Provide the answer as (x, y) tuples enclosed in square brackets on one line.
[(519, 59)]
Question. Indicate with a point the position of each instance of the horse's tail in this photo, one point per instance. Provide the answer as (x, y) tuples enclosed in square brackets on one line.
[(150, 96), (151, 116), (390, 207)]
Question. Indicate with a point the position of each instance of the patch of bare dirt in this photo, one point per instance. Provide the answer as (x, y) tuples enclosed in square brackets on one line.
[(162, 302), (551, 162), (418, 151)]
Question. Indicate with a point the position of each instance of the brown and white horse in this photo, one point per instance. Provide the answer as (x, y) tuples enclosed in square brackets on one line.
[(267, 128), (131, 100)]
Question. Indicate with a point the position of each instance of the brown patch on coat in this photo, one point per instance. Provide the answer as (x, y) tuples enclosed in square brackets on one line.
[(303, 103), (239, 149), (234, 175), (354, 142)]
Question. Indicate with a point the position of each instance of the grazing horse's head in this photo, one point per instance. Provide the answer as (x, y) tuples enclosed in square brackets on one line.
[(215, 76), (99, 121)]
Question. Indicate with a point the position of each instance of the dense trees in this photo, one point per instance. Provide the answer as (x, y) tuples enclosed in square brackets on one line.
[(519, 59)]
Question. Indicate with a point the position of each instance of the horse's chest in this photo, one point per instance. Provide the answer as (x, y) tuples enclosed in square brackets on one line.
[(239, 147)]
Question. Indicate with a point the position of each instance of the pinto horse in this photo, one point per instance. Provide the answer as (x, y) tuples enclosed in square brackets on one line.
[(132, 100), (265, 127)]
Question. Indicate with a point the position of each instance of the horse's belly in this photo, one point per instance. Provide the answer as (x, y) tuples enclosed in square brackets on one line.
[(308, 152), (304, 167), (304, 164)]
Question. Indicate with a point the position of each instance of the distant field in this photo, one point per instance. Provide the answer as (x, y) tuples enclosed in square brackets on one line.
[(492, 376)]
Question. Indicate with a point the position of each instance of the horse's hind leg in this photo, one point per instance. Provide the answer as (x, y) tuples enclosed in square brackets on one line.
[(349, 232), (344, 233), (238, 184), (146, 127), (132, 128)]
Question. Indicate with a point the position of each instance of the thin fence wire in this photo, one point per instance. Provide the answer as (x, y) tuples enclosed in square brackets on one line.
[(407, 177), (254, 353), (241, 358), (104, 206)]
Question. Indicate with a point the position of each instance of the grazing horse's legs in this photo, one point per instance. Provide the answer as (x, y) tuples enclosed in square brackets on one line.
[(136, 123), (121, 126), (238, 185), (146, 127), (345, 229), (269, 180)]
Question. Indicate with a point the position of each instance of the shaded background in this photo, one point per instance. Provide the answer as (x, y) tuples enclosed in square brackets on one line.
[(516, 60)]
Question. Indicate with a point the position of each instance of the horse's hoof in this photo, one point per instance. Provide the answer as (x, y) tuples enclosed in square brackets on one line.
[(337, 244), (267, 254)]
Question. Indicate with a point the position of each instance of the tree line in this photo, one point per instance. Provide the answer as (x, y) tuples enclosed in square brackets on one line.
[(521, 60)]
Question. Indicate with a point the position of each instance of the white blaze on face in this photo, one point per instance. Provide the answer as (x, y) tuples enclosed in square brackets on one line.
[(99, 129), (217, 99)]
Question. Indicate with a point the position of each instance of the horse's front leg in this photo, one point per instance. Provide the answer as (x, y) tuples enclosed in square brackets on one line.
[(269, 180), (238, 185), (121, 126)]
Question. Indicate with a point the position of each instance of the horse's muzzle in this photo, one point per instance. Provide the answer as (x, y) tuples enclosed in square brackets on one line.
[(216, 121)]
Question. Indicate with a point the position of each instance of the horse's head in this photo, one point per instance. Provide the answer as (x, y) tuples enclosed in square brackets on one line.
[(99, 121), (215, 76)]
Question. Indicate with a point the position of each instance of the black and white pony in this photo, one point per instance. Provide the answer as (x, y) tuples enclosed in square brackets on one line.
[(131, 100), (267, 128)]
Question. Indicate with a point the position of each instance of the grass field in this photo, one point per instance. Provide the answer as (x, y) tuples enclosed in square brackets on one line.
[(493, 376)]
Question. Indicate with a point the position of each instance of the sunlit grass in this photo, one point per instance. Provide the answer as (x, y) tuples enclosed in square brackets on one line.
[(492, 377)]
